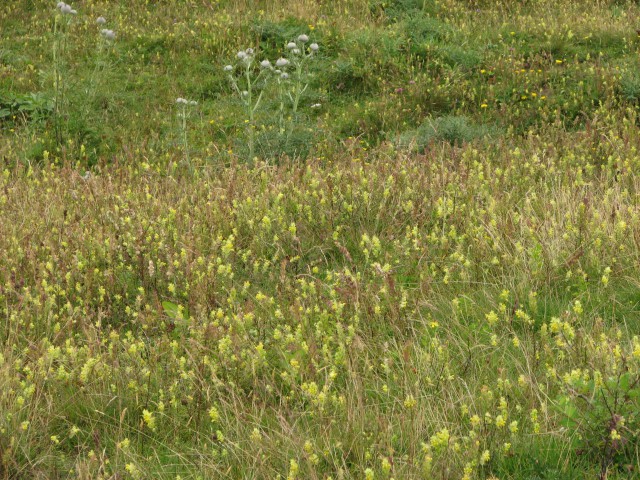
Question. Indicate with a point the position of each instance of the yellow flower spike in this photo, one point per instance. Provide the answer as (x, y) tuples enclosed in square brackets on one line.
[(294, 469), (513, 427), (385, 465), (410, 402), (255, 436), (149, 419)]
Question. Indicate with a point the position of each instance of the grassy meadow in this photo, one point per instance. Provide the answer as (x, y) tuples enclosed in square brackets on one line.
[(320, 239)]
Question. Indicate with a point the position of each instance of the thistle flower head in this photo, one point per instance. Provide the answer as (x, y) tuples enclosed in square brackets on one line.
[(295, 51), (242, 55), (265, 64), (284, 75), (184, 101), (228, 68), (282, 62), (108, 34), (101, 20), (66, 9), (314, 47), (249, 51), (291, 45), (303, 38)]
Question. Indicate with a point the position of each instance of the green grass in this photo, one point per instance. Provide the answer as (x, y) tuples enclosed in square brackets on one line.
[(429, 269)]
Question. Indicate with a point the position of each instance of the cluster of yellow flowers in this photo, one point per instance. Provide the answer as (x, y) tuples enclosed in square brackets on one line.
[(251, 320), (368, 313)]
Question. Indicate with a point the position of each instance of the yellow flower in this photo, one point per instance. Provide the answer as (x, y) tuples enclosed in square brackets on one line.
[(513, 427), (475, 420), (149, 419), (213, 414), (410, 402), (294, 468), (440, 439), (385, 465)]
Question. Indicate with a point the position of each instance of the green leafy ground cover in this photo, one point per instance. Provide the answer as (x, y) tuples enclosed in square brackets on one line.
[(410, 252)]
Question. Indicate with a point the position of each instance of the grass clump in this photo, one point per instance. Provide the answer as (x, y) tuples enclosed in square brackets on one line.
[(629, 87), (454, 130), (396, 9)]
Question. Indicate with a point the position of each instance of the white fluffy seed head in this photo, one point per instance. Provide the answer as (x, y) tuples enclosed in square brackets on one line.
[(303, 38), (282, 62), (108, 34), (101, 20), (314, 47), (228, 68), (265, 64), (291, 45)]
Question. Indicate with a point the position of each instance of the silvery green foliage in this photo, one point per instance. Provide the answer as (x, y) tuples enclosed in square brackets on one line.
[(289, 74), (184, 112)]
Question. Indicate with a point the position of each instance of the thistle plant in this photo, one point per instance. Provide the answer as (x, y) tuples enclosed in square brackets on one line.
[(105, 40), (282, 80), (184, 112), (290, 73), (63, 17), (246, 86), (292, 86), (299, 55)]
